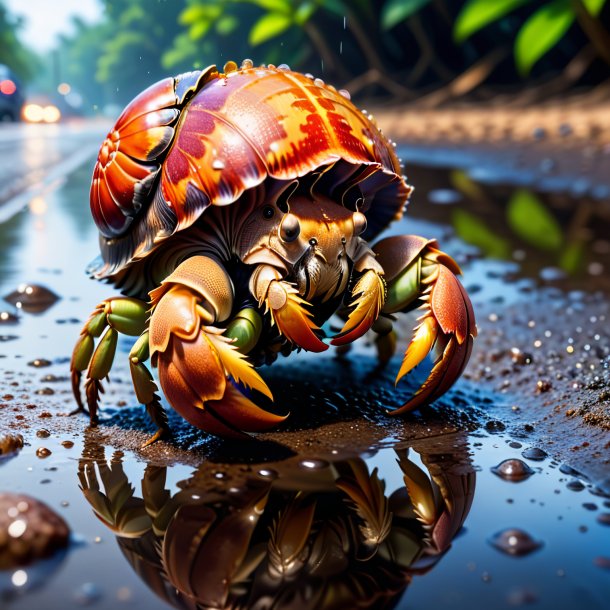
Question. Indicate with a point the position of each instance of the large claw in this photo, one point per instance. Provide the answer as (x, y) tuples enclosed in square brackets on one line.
[(195, 361), (447, 326), (368, 299)]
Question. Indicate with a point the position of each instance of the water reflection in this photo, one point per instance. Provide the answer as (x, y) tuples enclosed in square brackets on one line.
[(302, 533)]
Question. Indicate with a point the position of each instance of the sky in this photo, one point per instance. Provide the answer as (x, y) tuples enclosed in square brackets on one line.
[(47, 18)]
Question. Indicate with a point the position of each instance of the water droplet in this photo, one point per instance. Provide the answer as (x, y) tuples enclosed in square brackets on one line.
[(513, 470), (32, 298), (43, 452), (229, 67), (535, 454), (246, 64), (43, 433), (268, 473), (218, 164), (514, 541), (284, 67), (318, 82), (67, 444), (39, 363), (45, 391), (313, 464), (575, 485)]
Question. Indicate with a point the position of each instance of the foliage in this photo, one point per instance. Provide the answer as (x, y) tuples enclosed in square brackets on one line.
[(541, 31), (12, 53)]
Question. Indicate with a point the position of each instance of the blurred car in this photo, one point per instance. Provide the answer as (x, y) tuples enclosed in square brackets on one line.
[(11, 95)]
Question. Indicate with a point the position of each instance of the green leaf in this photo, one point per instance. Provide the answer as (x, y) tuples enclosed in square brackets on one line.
[(396, 11), (476, 14), (304, 12), (227, 24), (474, 231), (572, 257), (273, 6), (594, 7), (541, 32), (532, 222), (267, 27)]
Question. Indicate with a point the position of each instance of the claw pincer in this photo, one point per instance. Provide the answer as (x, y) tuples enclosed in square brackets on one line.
[(237, 213)]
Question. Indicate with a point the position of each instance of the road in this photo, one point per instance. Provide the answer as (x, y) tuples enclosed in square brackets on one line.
[(34, 157)]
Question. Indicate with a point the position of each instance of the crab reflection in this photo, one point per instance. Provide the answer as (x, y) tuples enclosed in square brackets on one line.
[(293, 534)]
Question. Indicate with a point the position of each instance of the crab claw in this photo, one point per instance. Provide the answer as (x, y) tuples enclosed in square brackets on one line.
[(196, 360), (446, 326), (292, 319), (368, 298)]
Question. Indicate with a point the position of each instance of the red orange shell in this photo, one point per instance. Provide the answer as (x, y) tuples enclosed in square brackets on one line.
[(170, 157)]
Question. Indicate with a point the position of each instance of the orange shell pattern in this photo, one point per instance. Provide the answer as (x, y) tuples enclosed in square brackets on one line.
[(225, 133)]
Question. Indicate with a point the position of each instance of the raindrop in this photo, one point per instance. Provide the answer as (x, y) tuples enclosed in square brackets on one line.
[(313, 464), (229, 67), (345, 93), (318, 82), (513, 470), (43, 433), (514, 541), (247, 64), (535, 454), (32, 298), (43, 452), (268, 473), (218, 164), (284, 67), (40, 363), (575, 485)]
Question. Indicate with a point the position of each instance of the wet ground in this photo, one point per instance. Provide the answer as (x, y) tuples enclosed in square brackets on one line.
[(301, 518)]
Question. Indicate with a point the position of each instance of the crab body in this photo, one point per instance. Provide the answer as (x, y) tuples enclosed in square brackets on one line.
[(236, 212)]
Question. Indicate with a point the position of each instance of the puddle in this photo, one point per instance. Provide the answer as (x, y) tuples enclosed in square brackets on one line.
[(344, 507)]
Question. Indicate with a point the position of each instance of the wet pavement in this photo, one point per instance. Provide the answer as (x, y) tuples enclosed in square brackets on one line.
[(343, 506)]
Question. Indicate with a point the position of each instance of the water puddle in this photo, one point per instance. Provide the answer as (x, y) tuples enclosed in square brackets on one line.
[(345, 507)]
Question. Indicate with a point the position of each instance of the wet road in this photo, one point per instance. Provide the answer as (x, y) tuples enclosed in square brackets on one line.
[(34, 157), (374, 505)]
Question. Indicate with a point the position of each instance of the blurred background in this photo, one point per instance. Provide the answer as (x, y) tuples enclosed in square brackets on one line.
[(89, 56)]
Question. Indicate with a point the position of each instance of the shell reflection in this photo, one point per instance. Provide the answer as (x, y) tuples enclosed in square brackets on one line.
[(327, 537)]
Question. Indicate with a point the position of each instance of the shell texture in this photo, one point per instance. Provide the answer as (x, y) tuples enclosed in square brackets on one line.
[(204, 138)]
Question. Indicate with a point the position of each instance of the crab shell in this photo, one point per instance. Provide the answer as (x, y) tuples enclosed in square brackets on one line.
[(203, 138)]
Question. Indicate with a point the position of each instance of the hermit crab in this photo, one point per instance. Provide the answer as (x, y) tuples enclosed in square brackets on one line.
[(236, 212)]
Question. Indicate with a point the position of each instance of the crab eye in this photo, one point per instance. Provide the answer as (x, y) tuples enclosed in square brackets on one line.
[(268, 212), (359, 223), (290, 228)]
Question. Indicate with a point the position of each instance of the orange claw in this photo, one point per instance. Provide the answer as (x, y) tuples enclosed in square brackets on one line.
[(292, 319), (448, 326), (195, 362), (369, 296)]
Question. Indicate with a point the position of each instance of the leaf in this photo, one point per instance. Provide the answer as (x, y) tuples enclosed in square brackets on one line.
[(303, 14), (474, 231), (396, 11), (476, 14), (227, 24), (273, 6), (541, 32), (532, 222), (594, 7), (267, 27)]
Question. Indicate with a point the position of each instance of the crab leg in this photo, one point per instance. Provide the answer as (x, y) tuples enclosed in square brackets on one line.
[(112, 316), (368, 297), (195, 357), (419, 274)]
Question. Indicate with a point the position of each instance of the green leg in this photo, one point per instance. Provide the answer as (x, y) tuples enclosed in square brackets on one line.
[(146, 388), (115, 315)]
